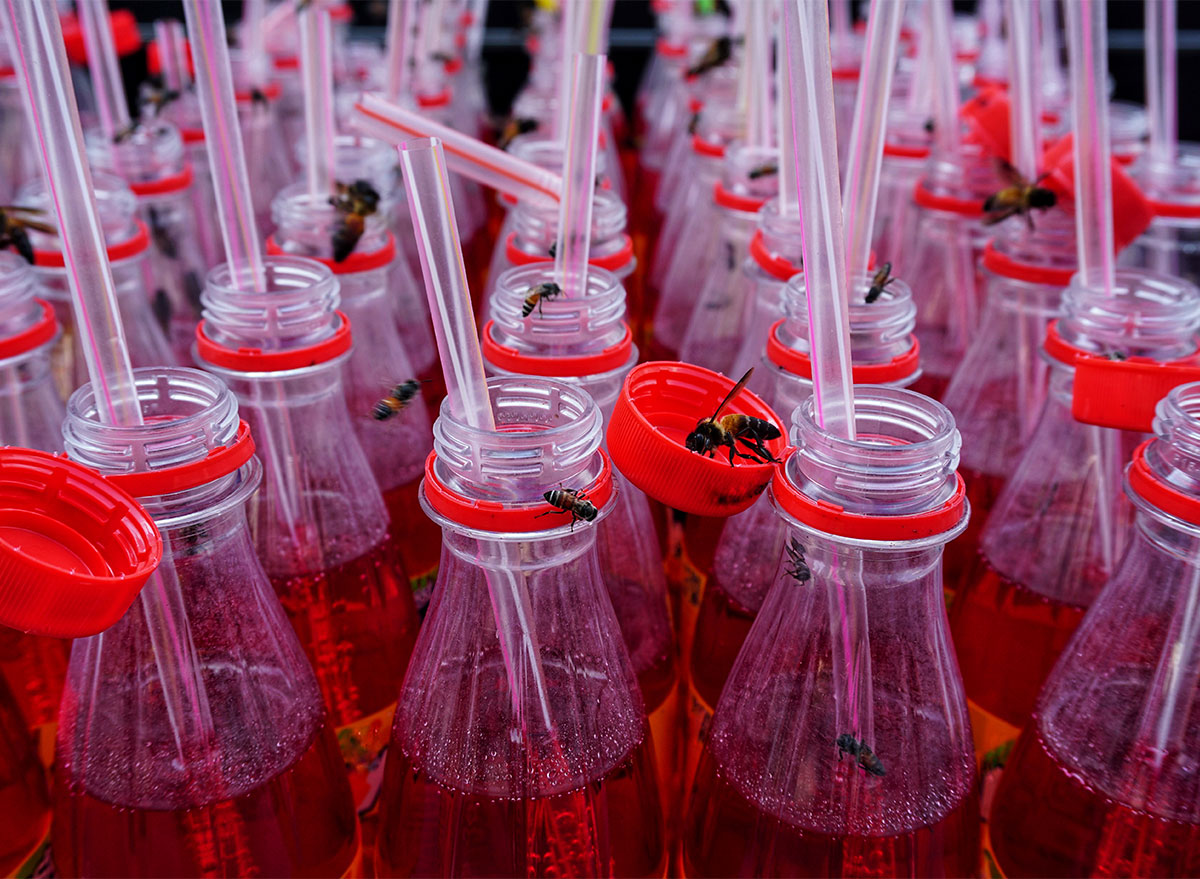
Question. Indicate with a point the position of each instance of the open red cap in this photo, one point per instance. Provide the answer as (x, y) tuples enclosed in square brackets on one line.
[(659, 405), (75, 549), (127, 39), (1132, 211), (989, 118)]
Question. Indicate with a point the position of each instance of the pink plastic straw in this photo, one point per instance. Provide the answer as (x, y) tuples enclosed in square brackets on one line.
[(789, 197), (945, 80), (103, 66), (316, 73), (253, 40), (1086, 36), (1161, 82), (402, 27), (39, 58), (391, 123), (567, 43), (575, 209), (756, 67), (861, 187), (169, 37), (1025, 86), (809, 83), (839, 11), (223, 137)]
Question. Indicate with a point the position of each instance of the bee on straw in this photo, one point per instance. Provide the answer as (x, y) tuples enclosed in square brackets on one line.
[(397, 400), (864, 756), (569, 500), (538, 294), (355, 201), (716, 431), (1019, 197), (879, 282)]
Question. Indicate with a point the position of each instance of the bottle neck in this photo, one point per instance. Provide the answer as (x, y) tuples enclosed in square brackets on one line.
[(308, 225), (1146, 315), (880, 330), (536, 226)]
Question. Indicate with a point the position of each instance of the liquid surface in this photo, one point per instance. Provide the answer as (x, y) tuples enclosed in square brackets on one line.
[(721, 629), (1047, 821), (298, 823)]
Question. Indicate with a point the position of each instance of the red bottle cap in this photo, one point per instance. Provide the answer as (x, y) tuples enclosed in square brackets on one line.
[(126, 37), (988, 116), (967, 207), (773, 264), (365, 261), (798, 363), (510, 359), (34, 337), (726, 198), (1150, 487), (137, 243), (613, 262), (75, 549), (659, 405), (257, 360), (999, 263), (163, 185)]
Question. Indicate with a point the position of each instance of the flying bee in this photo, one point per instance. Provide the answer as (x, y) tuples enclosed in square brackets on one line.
[(764, 170), (13, 229), (356, 201), (514, 128), (1019, 197), (569, 500), (538, 294), (865, 757), (397, 400), (716, 431), (718, 53), (879, 282), (798, 569)]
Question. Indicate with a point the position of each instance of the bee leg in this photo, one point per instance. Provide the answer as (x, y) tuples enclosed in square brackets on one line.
[(1029, 220)]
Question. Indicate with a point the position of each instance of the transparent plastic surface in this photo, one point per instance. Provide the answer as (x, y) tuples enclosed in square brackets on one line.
[(192, 739), (24, 803), (18, 162), (1172, 243), (904, 160), (1101, 781)]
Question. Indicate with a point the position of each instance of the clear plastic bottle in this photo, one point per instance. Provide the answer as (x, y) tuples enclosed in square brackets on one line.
[(320, 525), (18, 161), (266, 136), (905, 155), (1172, 243), (24, 802), (1058, 527), (128, 242), (192, 739), (851, 649), (1102, 781), (520, 746)]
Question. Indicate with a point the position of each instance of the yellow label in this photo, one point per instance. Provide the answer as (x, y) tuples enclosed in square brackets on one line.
[(364, 749)]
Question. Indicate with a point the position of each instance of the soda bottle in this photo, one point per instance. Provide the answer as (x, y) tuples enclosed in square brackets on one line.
[(192, 740), (128, 241), (24, 803), (587, 342), (31, 415), (520, 746), (1172, 243), (394, 434), (321, 525), (1101, 781), (1058, 527), (841, 743), (735, 583)]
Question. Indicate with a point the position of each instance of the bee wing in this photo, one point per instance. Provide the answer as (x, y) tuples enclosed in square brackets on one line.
[(737, 389), (1009, 173), (998, 217)]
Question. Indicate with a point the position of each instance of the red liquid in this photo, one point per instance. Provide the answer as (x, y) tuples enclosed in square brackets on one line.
[(24, 804), (727, 835), (299, 823), (417, 538), (961, 553), (1007, 638), (1047, 822), (657, 681), (35, 669), (721, 630), (358, 625), (611, 827)]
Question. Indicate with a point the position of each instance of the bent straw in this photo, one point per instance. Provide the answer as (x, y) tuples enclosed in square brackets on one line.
[(1161, 84), (40, 62), (575, 209), (1025, 87), (316, 72), (103, 66), (860, 191), (223, 136), (403, 25), (391, 123)]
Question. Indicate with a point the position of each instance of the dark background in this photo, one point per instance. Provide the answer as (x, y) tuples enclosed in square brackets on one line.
[(632, 40)]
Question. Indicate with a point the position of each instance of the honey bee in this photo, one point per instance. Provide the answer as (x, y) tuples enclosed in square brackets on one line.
[(569, 500), (397, 399), (1019, 197), (693, 123), (865, 757), (539, 294), (258, 98), (716, 431), (879, 282), (13, 229), (798, 569), (163, 239), (930, 126), (514, 128), (356, 201), (718, 53), (764, 170)]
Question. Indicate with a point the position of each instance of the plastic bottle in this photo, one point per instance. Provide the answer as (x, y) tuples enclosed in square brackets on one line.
[(1172, 243), (192, 739), (266, 137), (535, 757), (1058, 527), (905, 155), (24, 803), (128, 242), (851, 649), (1102, 782), (321, 525), (18, 162)]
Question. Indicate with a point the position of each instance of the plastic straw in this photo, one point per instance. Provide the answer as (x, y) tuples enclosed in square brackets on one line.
[(39, 58), (253, 41), (861, 187), (231, 183), (809, 83), (789, 198), (756, 62), (1025, 87), (595, 27), (569, 30), (842, 28), (402, 27), (575, 209), (384, 120), (316, 71), (171, 74), (1086, 36), (1052, 74), (1161, 63), (103, 66), (945, 80)]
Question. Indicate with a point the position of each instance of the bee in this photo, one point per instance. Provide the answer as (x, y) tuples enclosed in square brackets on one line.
[(160, 305), (125, 132), (718, 53), (716, 431), (514, 128), (865, 757), (13, 229), (693, 123), (552, 249), (570, 500), (930, 126), (539, 294), (356, 201), (798, 569), (258, 98), (397, 399), (1019, 197), (158, 99), (879, 282), (163, 239), (763, 171)]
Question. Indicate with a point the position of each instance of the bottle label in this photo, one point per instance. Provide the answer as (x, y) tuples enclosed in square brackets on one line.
[(364, 750)]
